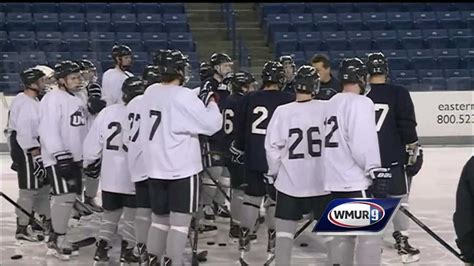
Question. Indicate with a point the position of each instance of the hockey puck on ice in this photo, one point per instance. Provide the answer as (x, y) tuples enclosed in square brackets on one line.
[(16, 257), (303, 244), (210, 243), (222, 244)]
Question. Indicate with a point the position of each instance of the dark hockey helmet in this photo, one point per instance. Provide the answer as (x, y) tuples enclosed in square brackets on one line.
[(353, 70), (239, 80), (219, 58), (377, 64), (151, 75), (173, 62), (65, 68), (205, 70), (273, 72), (307, 79), (120, 50), (132, 87), (85, 64), (30, 76), (287, 59)]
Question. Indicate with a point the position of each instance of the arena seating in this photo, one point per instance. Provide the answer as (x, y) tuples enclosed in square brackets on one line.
[(417, 38), (45, 33)]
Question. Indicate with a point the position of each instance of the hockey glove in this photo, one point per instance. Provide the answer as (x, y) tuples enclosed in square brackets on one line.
[(413, 169), (64, 164), (269, 179), (38, 169), (93, 169), (237, 155), (205, 94), (380, 181), (412, 151), (95, 105)]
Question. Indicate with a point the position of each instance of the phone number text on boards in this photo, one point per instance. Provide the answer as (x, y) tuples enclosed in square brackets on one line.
[(455, 119)]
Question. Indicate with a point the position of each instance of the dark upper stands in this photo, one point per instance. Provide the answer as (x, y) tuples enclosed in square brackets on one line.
[(417, 38), (45, 33)]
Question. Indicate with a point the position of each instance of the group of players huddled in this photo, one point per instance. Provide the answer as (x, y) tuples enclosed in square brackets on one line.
[(164, 153)]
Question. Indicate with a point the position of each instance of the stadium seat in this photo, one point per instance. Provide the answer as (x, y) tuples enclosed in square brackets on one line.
[(10, 88), (76, 41), (366, 7), (392, 7), (3, 20), (319, 7), (430, 73), (285, 41), (132, 39), (150, 22), (295, 8), (375, 21), (425, 20), (19, 22), (44, 8), (172, 8), (302, 22), (461, 38), (92, 56), (10, 77), (450, 73), (46, 21), (182, 41), (399, 20), (96, 8), (385, 39), (154, 41), (447, 58), (436, 38), (147, 8), (362, 54), (435, 83), (467, 55), (350, 21), (9, 61), (124, 22), (359, 40), (397, 59), (55, 57), (22, 40), (175, 22), (326, 22), (3, 40), (415, 7), (411, 39), (17, 8), (49, 40), (458, 79), (342, 7), (277, 23), (270, 8), (73, 22), (338, 56), (70, 8), (310, 41), (31, 59), (122, 8), (98, 22), (102, 41), (468, 18), (422, 59), (335, 40), (449, 19)]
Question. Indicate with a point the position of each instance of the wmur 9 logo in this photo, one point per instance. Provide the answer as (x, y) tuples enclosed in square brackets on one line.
[(356, 216)]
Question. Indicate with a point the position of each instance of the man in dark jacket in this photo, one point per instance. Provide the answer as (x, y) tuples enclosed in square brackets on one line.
[(464, 216)]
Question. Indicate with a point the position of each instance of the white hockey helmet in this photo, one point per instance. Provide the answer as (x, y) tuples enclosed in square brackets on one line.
[(51, 82)]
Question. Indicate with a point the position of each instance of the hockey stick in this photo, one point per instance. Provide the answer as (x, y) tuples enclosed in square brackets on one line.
[(430, 232), (31, 216), (301, 230), (217, 184)]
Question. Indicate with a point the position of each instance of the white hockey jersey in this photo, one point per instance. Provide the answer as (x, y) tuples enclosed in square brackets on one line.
[(24, 119), (351, 143), (294, 150), (171, 119), (112, 81), (105, 139), (136, 164), (63, 125)]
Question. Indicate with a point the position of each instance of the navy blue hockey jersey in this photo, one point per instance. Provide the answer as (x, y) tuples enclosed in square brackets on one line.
[(230, 108), (395, 120), (257, 110)]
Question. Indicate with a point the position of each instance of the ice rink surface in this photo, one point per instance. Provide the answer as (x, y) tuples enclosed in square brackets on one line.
[(432, 201)]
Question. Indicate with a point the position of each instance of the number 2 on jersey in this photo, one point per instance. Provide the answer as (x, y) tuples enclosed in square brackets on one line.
[(133, 117), (263, 115), (118, 129), (381, 111), (327, 140)]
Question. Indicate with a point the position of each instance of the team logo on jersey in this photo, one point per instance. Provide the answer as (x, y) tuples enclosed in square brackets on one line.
[(78, 118), (356, 216)]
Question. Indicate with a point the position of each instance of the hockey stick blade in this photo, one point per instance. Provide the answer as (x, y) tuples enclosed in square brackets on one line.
[(31, 216), (301, 230), (84, 242), (269, 260), (430, 232)]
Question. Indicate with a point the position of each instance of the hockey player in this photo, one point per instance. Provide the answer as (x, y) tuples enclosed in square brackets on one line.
[(293, 146), (241, 83), (104, 152), (62, 130), (221, 65), (398, 140), (151, 75), (171, 119), (251, 127), (113, 78), (50, 81), (23, 121), (289, 67), (329, 84), (352, 158)]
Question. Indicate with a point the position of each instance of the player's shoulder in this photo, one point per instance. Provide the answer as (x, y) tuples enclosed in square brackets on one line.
[(135, 101), (210, 82)]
